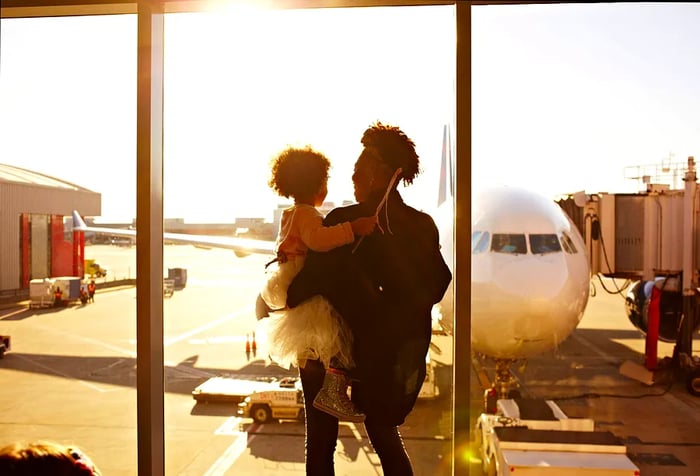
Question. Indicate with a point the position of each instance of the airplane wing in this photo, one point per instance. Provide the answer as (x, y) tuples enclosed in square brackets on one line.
[(241, 246)]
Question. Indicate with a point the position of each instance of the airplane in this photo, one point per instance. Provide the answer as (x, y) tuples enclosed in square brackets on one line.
[(530, 271), (530, 278), (241, 246)]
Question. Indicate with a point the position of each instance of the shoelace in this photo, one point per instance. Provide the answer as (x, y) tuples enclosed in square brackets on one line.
[(383, 201)]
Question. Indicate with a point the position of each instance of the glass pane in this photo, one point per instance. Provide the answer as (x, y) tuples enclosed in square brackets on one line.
[(544, 243), (508, 243), (569, 98), (568, 244), (238, 88), (483, 244), (475, 237), (241, 86), (67, 141)]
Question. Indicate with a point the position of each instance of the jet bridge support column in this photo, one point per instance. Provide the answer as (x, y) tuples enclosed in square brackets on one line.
[(685, 336), (651, 346)]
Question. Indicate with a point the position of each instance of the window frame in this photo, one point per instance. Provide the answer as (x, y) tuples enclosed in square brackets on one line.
[(149, 196)]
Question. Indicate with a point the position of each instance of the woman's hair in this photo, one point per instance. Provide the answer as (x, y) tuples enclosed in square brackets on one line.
[(299, 172), (44, 458), (394, 149)]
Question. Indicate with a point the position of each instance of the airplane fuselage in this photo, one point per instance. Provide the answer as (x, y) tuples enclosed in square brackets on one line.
[(529, 274)]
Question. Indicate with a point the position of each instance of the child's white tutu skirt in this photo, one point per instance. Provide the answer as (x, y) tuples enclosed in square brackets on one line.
[(274, 292), (312, 330)]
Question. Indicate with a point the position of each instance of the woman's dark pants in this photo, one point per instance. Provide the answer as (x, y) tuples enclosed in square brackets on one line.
[(322, 433)]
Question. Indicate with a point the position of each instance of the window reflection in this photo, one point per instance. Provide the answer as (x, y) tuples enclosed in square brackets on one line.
[(544, 243), (509, 243), (475, 238), (568, 244), (483, 244)]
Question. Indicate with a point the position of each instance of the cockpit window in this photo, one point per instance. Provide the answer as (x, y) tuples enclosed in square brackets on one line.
[(507, 243), (481, 243), (475, 238), (568, 244), (540, 244)]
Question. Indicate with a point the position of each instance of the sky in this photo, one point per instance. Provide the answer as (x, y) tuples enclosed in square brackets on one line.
[(565, 97)]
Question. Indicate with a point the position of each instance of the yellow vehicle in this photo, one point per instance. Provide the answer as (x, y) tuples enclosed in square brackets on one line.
[(93, 269), (283, 401)]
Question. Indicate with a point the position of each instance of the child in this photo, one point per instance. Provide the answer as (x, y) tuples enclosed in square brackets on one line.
[(45, 458), (312, 330)]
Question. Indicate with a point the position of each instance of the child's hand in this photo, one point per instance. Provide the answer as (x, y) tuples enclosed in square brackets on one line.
[(363, 226)]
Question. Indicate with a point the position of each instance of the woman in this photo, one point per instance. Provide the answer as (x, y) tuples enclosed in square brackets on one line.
[(384, 285)]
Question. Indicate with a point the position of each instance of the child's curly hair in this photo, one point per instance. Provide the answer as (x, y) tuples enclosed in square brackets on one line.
[(394, 148), (43, 458), (299, 172)]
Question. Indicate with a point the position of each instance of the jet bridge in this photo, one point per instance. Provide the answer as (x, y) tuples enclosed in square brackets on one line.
[(651, 237), (642, 236)]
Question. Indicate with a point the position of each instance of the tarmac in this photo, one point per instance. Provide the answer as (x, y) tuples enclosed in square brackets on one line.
[(70, 377)]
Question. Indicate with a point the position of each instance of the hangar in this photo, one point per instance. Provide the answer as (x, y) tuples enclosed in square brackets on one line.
[(34, 242)]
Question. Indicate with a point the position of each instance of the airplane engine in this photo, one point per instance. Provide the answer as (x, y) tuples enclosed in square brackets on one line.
[(670, 306)]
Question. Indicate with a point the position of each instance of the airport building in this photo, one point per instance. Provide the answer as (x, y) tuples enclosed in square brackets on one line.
[(35, 241)]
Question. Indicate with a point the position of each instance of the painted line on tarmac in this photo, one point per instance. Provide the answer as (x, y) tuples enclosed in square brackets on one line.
[(596, 349), (72, 335), (205, 327), (232, 453), (230, 427), (10, 314), (217, 340)]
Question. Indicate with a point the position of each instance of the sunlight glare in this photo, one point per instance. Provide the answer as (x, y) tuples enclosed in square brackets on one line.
[(235, 7)]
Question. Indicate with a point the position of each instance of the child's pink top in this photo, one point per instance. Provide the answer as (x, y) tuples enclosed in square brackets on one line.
[(301, 229)]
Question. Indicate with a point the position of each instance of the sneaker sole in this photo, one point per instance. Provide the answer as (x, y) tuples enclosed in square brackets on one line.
[(339, 416)]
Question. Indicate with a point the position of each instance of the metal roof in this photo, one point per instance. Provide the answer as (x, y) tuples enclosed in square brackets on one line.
[(10, 173)]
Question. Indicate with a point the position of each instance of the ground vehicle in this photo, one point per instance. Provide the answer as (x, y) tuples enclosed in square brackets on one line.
[(41, 292), (283, 401), (178, 277), (4, 345), (70, 287), (532, 436), (93, 269), (429, 390), (168, 287)]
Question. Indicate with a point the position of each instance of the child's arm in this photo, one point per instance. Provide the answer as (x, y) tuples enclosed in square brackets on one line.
[(324, 238)]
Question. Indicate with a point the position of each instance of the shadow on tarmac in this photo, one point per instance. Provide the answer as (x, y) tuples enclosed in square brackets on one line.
[(278, 448), (112, 370), (20, 316), (214, 409)]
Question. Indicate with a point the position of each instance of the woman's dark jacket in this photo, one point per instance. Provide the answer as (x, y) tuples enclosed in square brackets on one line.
[(385, 290)]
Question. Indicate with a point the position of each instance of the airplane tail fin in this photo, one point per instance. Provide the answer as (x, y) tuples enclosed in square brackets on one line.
[(78, 222), (445, 191)]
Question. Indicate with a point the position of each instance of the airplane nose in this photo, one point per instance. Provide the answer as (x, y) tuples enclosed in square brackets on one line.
[(534, 279), (531, 303)]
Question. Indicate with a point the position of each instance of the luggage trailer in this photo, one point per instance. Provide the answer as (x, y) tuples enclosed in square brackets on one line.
[(535, 437)]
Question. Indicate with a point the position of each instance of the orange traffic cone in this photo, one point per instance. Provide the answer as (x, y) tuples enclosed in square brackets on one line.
[(247, 343), (254, 345)]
